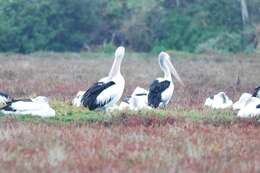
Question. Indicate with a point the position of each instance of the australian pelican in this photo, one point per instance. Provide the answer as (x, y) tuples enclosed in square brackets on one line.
[(36, 106), (138, 100), (251, 108), (219, 101), (107, 91), (161, 89), (245, 97), (242, 101)]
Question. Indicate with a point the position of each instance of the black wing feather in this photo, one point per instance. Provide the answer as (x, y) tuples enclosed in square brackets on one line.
[(155, 92), (8, 107), (4, 95), (255, 93), (258, 106), (90, 96)]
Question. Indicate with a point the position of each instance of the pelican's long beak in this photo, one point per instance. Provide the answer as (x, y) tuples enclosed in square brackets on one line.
[(119, 55), (173, 71)]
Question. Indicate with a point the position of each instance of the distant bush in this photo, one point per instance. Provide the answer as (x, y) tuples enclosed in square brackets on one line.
[(145, 25), (225, 42), (59, 25)]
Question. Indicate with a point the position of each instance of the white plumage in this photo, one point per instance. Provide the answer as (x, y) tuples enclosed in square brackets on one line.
[(77, 100), (36, 106), (107, 91), (138, 100), (161, 90), (242, 101), (219, 101), (113, 92), (250, 109)]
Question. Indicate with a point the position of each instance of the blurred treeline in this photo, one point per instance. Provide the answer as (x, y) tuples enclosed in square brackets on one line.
[(142, 25)]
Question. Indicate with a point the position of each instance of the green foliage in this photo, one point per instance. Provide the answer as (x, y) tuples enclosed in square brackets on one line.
[(145, 25), (59, 25)]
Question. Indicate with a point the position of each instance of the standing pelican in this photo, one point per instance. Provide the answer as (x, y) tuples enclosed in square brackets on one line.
[(107, 91), (161, 89)]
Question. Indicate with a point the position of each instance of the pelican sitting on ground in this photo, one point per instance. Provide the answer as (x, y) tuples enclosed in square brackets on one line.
[(77, 100), (245, 97), (161, 90), (242, 101), (219, 101), (251, 108), (36, 106), (107, 91), (138, 100)]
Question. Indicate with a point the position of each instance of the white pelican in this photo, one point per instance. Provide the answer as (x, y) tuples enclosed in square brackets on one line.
[(4, 98), (36, 106), (107, 91), (77, 100), (245, 97), (219, 101), (242, 101), (161, 90), (251, 108), (138, 100)]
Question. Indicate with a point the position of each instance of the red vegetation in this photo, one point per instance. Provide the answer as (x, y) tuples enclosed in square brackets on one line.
[(130, 145)]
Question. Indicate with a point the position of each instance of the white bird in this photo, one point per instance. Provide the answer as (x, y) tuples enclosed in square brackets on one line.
[(251, 108), (219, 101), (242, 101), (107, 91), (77, 100), (138, 100), (4, 98), (245, 97), (36, 106), (161, 89)]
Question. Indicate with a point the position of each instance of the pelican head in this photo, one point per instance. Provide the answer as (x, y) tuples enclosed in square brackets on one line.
[(120, 52), (119, 55), (167, 67)]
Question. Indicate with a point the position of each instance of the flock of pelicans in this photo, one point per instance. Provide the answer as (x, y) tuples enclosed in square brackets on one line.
[(104, 94)]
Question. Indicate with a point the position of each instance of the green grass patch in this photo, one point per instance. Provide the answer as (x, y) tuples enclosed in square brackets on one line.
[(66, 113)]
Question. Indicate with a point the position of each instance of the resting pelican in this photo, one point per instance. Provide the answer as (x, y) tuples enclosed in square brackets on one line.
[(138, 100), (161, 90), (107, 91), (36, 106), (219, 101), (251, 108), (242, 101), (245, 97)]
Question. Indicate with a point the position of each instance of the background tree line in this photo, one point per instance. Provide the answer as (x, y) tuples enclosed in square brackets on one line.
[(143, 25)]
